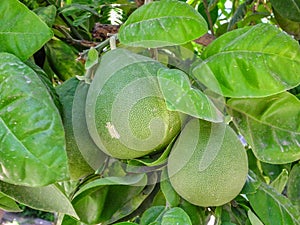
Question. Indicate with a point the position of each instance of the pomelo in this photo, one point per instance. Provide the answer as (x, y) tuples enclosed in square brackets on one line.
[(125, 111), (208, 164)]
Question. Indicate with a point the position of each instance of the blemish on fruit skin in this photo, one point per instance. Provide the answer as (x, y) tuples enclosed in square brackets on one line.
[(112, 130)]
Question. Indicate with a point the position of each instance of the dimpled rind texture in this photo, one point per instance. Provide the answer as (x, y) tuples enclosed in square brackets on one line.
[(126, 113), (204, 170)]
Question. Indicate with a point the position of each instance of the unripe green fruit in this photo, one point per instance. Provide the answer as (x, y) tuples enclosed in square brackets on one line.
[(208, 164), (126, 113)]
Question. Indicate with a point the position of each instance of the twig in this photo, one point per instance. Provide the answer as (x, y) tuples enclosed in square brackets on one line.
[(211, 26), (69, 38)]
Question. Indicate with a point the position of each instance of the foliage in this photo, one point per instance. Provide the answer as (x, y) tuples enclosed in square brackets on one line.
[(61, 79)]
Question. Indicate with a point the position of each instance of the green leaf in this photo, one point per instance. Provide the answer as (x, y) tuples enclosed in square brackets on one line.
[(22, 32), (238, 15), (132, 179), (78, 167), (270, 125), (47, 14), (170, 194), (46, 81), (176, 216), (293, 187), (135, 164), (153, 214), (180, 96), (92, 58), (7, 204), (130, 201), (254, 219), (213, 11), (67, 220), (90, 204), (48, 198), (101, 199), (162, 23), (244, 63), (280, 182), (289, 9), (273, 208), (196, 214), (88, 149), (62, 59), (125, 223), (252, 183), (31, 133), (291, 27)]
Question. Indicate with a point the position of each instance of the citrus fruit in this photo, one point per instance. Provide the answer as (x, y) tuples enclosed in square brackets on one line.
[(126, 114), (208, 164)]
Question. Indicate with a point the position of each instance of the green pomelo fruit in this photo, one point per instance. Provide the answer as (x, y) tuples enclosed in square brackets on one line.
[(126, 113), (208, 164)]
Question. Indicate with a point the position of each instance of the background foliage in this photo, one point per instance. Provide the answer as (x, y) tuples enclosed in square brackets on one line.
[(247, 53)]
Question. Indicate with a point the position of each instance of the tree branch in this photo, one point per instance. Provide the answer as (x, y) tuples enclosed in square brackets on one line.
[(211, 26)]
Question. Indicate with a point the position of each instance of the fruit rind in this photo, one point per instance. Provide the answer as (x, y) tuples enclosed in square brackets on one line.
[(221, 179)]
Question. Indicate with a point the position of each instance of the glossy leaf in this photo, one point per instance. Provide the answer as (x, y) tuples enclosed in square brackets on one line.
[(252, 183), (254, 219), (289, 9), (153, 214), (22, 32), (280, 210), (213, 11), (293, 187), (67, 220), (244, 63), (133, 179), (176, 216), (125, 223), (196, 214), (78, 167), (47, 14), (47, 82), (171, 196), (131, 200), (92, 58), (163, 158), (89, 205), (238, 15), (270, 125), (62, 59), (162, 23), (291, 27), (280, 182), (48, 198), (7, 204), (180, 96), (88, 149), (100, 199), (31, 133)]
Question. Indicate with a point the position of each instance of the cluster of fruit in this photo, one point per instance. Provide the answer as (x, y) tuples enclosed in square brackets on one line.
[(127, 118)]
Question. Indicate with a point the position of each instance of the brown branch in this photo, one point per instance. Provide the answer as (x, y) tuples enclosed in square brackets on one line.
[(211, 26)]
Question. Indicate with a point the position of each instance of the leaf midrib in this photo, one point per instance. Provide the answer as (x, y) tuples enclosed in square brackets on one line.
[(262, 122), (279, 203), (160, 18), (247, 52)]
